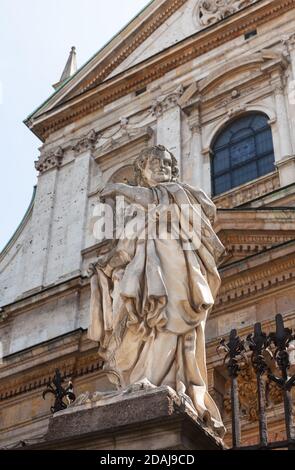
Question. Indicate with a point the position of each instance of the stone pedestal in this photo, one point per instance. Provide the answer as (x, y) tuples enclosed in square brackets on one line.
[(155, 419)]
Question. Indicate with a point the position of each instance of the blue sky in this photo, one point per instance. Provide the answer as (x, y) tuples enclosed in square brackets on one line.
[(35, 39)]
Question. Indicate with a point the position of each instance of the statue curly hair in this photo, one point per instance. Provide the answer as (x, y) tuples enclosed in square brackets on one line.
[(141, 160)]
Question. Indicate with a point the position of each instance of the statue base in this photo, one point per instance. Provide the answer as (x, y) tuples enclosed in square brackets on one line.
[(138, 418)]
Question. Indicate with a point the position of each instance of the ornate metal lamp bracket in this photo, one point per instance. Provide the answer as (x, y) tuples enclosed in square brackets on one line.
[(55, 388)]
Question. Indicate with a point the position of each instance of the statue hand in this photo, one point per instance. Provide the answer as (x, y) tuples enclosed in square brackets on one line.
[(109, 190), (91, 270)]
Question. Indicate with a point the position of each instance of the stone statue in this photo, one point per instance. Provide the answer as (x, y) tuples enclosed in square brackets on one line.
[(150, 296)]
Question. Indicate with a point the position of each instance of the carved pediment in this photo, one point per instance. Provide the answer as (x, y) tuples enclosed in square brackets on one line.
[(211, 11), (138, 56)]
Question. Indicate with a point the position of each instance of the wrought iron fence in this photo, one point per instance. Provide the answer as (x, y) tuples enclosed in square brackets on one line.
[(270, 357)]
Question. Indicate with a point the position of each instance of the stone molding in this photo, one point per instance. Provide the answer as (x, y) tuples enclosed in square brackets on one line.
[(72, 366), (144, 73), (49, 160), (249, 191), (99, 142), (240, 246), (212, 11), (256, 280), (124, 135), (285, 161), (39, 379), (130, 44)]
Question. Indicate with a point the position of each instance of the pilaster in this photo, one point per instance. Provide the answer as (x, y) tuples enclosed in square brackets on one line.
[(195, 159), (168, 114)]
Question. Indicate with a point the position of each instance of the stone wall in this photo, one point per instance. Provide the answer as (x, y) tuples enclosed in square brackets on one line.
[(44, 289)]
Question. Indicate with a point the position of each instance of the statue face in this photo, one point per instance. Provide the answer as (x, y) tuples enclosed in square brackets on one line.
[(158, 169)]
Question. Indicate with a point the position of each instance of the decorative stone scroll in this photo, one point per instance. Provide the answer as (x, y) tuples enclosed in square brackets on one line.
[(87, 142), (124, 135), (165, 102), (49, 160), (211, 11)]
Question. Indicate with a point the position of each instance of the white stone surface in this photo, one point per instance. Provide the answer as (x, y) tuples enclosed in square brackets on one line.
[(48, 251), (43, 323), (179, 26)]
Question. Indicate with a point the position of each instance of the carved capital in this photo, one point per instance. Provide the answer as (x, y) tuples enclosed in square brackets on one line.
[(49, 160), (211, 11), (87, 142), (163, 103)]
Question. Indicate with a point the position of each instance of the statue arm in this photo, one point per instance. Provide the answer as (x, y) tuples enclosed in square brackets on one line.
[(134, 194)]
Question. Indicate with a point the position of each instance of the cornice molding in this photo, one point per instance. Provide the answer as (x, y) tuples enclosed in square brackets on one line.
[(71, 367), (157, 66), (125, 48), (258, 279), (211, 11), (35, 299)]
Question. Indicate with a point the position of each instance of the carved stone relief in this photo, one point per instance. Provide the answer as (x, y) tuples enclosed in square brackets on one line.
[(211, 11), (248, 394), (49, 160)]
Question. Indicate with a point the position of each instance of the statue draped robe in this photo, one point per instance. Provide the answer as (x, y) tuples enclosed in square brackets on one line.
[(150, 299)]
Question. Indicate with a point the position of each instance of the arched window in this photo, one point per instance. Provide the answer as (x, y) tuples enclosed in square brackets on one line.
[(242, 151)]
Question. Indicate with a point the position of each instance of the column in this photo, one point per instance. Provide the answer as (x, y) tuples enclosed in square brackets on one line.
[(289, 43)]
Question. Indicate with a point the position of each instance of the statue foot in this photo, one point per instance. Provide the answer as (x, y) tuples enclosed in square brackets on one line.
[(143, 384)]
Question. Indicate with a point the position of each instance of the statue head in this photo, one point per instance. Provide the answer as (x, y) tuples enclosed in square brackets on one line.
[(155, 165)]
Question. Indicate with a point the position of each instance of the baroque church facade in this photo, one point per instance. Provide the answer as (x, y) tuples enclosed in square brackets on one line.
[(212, 81)]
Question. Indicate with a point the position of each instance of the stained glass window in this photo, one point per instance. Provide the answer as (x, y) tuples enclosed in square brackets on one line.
[(242, 151)]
